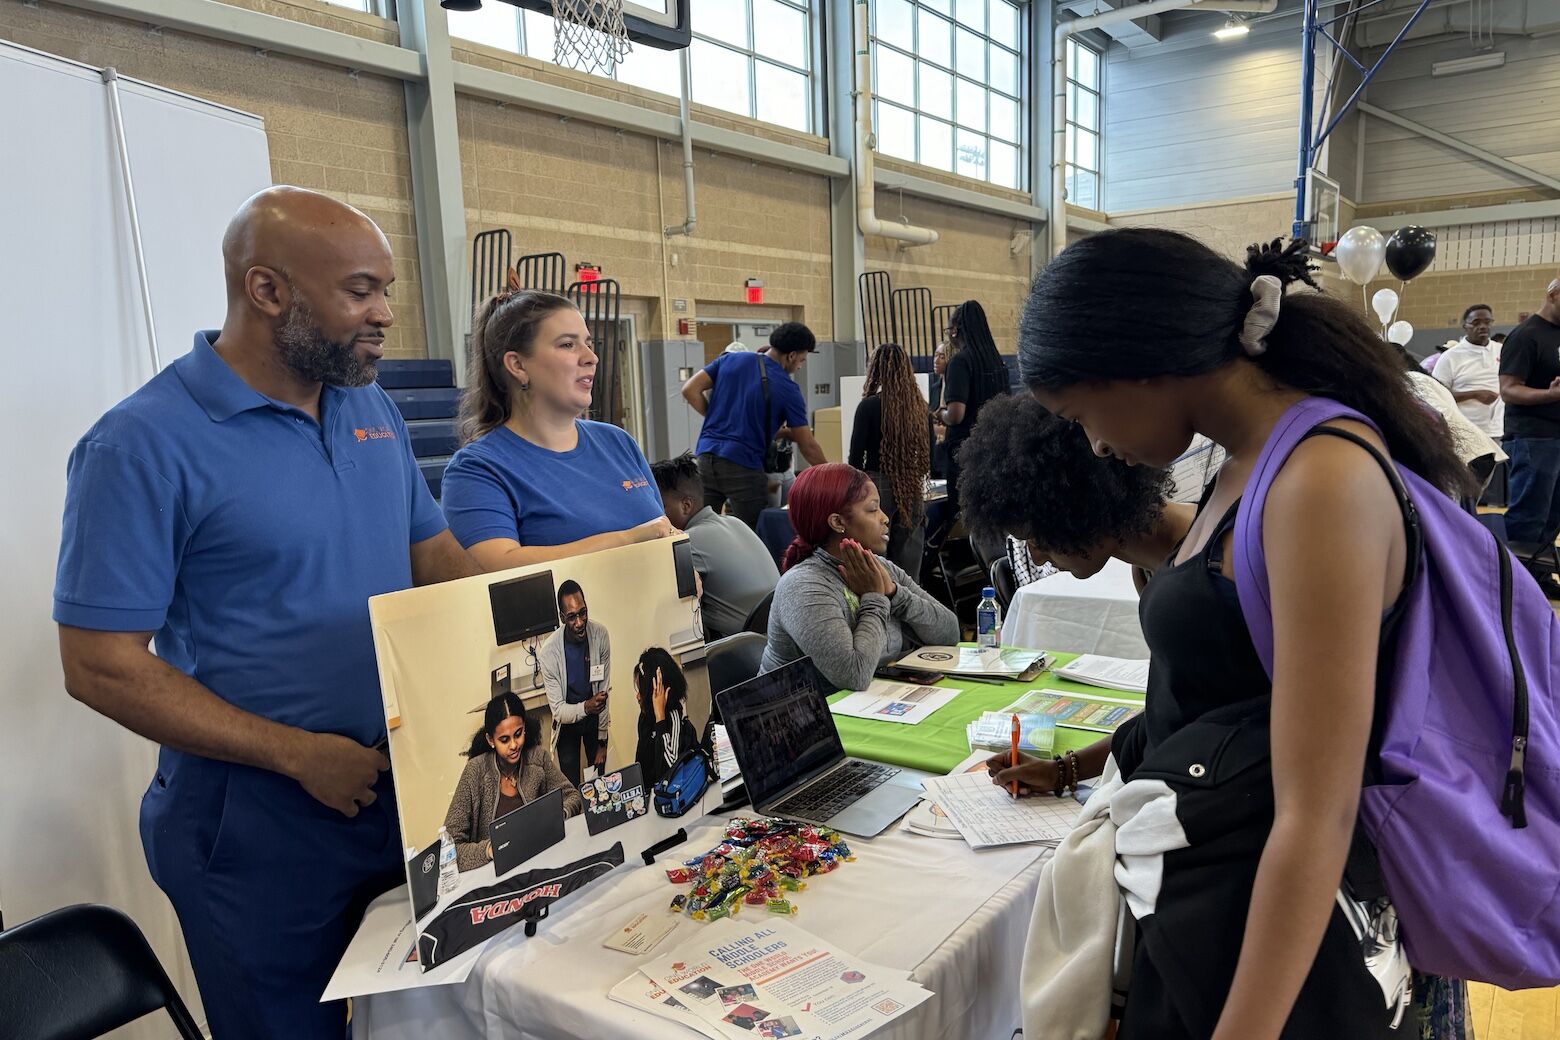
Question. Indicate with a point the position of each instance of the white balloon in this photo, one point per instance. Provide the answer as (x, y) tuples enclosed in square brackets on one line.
[(1385, 303), (1400, 333), (1360, 253)]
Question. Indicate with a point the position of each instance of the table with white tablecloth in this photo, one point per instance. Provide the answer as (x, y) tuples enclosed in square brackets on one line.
[(953, 917), (1097, 615)]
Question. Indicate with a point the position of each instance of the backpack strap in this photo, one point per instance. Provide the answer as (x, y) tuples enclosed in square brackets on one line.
[(1302, 421)]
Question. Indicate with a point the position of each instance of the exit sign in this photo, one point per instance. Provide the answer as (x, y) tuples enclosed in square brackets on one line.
[(755, 290)]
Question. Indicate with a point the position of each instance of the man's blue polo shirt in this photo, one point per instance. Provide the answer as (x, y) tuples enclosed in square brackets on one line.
[(245, 538), (734, 425)]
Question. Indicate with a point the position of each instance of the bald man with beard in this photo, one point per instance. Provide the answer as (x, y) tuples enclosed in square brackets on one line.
[(239, 510)]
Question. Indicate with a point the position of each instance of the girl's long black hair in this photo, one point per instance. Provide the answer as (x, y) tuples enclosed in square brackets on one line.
[(1140, 303), (500, 708), (672, 675)]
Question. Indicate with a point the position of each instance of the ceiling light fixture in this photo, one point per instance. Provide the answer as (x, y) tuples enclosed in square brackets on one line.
[(1473, 63), (1233, 29)]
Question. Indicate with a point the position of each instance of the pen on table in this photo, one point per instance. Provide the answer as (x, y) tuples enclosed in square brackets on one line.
[(1014, 785)]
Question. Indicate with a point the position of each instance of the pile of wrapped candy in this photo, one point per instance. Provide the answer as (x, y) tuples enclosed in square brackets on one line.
[(758, 863)]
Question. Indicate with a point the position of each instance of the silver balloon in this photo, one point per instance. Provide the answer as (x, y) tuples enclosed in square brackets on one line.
[(1360, 253), (1400, 333)]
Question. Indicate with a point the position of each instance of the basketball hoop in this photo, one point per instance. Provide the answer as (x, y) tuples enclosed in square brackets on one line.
[(589, 35)]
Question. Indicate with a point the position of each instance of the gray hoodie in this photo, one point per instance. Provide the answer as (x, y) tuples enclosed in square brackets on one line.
[(812, 617)]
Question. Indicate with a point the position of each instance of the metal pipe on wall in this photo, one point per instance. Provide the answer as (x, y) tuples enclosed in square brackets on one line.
[(690, 213), (866, 188)]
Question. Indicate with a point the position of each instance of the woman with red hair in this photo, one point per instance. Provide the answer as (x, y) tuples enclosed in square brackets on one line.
[(839, 601)]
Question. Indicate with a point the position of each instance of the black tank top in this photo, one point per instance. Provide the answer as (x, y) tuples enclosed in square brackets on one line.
[(1201, 653)]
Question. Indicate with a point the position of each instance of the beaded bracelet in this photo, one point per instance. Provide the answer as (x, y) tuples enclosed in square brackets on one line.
[(1072, 772), (1061, 775)]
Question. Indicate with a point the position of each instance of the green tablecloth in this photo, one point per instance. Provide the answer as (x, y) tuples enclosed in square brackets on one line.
[(938, 743)]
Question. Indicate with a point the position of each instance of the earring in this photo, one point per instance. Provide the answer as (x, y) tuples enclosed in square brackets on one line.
[(525, 388)]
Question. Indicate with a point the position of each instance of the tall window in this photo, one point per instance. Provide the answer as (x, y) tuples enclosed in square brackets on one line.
[(750, 57), (1083, 125), (949, 86)]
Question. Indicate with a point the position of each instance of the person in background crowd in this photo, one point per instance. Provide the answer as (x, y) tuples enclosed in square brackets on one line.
[(1479, 452), (976, 374), (1530, 387), (665, 731), (734, 565), (892, 441), (1471, 371), (739, 425), (241, 508), (1497, 338), (508, 767), (1254, 902), (576, 665), (1434, 357), (838, 601), (939, 432), (533, 481)]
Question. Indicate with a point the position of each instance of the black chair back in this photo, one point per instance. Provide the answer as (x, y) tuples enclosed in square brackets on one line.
[(732, 660), (81, 972), (758, 621)]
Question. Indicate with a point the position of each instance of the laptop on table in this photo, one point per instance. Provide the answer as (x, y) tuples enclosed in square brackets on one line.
[(793, 762)]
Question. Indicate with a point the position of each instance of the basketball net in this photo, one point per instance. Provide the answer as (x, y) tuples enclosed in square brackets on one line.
[(589, 35)]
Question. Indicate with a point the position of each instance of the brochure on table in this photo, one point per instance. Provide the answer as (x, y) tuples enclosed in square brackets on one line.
[(772, 979), (990, 661), (445, 651), (883, 701)]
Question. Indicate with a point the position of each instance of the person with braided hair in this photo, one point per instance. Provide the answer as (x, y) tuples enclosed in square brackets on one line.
[(892, 442)]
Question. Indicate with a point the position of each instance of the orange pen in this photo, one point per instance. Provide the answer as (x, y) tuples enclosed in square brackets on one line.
[(1014, 785)]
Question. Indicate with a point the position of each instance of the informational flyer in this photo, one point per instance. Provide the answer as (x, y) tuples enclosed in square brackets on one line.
[(774, 980), (885, 701), (642, 992)]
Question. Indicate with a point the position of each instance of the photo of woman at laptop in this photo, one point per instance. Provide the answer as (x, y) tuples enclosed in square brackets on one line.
[(509, 766)]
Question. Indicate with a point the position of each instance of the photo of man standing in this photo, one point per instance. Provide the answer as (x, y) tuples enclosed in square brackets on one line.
[(576, 663)]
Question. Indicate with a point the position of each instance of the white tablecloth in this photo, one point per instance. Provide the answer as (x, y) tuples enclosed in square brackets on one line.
[(1096, 616), (954, 917)]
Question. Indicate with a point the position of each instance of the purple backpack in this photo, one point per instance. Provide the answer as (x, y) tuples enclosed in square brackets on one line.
[(1465, 813)]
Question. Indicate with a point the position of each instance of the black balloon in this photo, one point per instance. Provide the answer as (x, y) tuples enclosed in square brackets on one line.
[(1410, 252)]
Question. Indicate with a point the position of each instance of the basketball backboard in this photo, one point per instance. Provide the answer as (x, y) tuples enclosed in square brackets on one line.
[(1322, 212), (662, 24)]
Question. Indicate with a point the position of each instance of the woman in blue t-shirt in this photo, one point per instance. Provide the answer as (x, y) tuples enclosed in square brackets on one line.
[(534, 481)]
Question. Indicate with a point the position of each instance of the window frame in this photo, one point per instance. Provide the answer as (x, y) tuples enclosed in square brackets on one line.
[(1072, 170), (1020, 96), (812, 108)]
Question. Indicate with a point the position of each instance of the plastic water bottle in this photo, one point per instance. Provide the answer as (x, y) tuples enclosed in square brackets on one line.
[(449, 872), (988, 619)]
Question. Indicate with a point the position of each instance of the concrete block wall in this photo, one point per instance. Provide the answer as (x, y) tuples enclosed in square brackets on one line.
[(1437, 299), (971, 260), (326, 129)]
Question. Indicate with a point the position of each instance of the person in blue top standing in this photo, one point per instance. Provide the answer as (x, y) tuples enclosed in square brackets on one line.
[(242, 507), (739, 425), (533, 481)]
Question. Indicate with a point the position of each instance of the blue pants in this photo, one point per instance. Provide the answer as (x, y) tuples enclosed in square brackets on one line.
[(1534, 512), (269, 886)]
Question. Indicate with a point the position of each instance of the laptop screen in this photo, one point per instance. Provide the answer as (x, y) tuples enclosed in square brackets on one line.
[(780, 729)]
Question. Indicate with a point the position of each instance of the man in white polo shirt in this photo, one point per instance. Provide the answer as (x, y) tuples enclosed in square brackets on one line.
[(1471, 371)]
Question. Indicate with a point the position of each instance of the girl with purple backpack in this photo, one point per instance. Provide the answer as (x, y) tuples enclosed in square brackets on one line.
[(1266, 914)]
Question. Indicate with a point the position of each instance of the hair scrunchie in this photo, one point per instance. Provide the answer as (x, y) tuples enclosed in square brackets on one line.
[(1266, 293)]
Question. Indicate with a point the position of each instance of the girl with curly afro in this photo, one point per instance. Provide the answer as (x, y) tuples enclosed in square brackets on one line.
[(1041, 483)]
